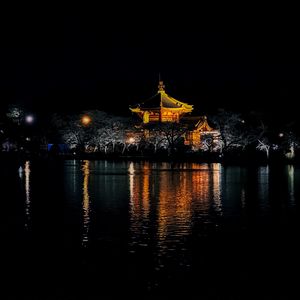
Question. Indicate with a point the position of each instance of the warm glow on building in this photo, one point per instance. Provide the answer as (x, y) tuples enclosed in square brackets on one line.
[(162, 108)]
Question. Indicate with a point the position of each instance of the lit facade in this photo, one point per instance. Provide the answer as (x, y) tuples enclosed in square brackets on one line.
[(162, 108)]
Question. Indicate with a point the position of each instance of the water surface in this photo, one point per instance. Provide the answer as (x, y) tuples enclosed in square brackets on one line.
[(79, 229)]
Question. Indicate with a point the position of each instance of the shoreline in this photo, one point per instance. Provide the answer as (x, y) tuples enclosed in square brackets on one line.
[(19, 158)]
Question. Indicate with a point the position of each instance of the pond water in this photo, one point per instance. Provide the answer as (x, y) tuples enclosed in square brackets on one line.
[(90, 229)]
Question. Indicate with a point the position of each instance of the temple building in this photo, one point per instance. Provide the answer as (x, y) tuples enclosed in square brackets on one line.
[(162, 108)]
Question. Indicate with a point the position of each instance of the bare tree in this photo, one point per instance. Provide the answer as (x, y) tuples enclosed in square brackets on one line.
[(264, 145)]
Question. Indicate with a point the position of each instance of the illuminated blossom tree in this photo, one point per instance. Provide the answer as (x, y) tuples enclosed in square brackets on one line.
[(110, 133), (210, 142), (15, 113), (156, 139), (264, 145), (232, 131), (289, 144), (238, 133), (71, 130), (166, 135)]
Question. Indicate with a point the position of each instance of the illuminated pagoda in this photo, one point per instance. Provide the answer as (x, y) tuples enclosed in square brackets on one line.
[(162, 108)]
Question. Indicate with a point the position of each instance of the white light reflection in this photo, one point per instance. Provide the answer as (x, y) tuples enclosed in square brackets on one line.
[(216, 182), (74, 176), (263, 186), (291, 184), (139, 192), (27, 193), (86, 203), (243, 198), (131, 178)]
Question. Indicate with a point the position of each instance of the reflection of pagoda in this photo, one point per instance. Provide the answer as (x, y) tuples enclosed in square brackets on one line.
[(164, 108)]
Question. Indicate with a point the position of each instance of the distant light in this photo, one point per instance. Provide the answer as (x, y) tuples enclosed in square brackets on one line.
[(86, 120), (131, 140), (280, 134), (243, 121), (28, 139), (29, 119)]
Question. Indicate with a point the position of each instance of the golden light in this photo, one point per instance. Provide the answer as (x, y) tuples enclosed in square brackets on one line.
[(131, 140), (86, 120)]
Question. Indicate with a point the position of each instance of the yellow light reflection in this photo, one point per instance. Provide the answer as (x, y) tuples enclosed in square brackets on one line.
[(291, 183), (27, 193), (131, 177), (146, 193), (139, 188), (181, 194), (86, 202), (176, 195), (86, 120)]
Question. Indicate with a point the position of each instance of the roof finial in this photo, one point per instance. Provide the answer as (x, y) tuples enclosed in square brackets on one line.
[(161, 86)]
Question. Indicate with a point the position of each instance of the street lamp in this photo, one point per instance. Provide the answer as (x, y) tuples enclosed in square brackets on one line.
[(131, 140), (29, 119), (86, 120)]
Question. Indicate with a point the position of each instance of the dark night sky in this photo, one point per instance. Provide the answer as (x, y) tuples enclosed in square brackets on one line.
[(106, 59)]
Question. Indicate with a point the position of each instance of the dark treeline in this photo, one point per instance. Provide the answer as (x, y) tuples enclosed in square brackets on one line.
[(236, 137)]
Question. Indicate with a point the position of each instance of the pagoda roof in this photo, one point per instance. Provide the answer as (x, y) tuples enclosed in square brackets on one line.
[(198, 123), (162, 100)]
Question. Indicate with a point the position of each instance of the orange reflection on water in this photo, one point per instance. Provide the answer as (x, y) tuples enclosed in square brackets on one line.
[(175, 195), (146, 193), (139, 185), (86, 202), (181, 194)]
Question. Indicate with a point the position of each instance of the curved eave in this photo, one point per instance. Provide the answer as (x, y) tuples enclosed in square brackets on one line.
[(187, 106), (135, 109), (138, 109)]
